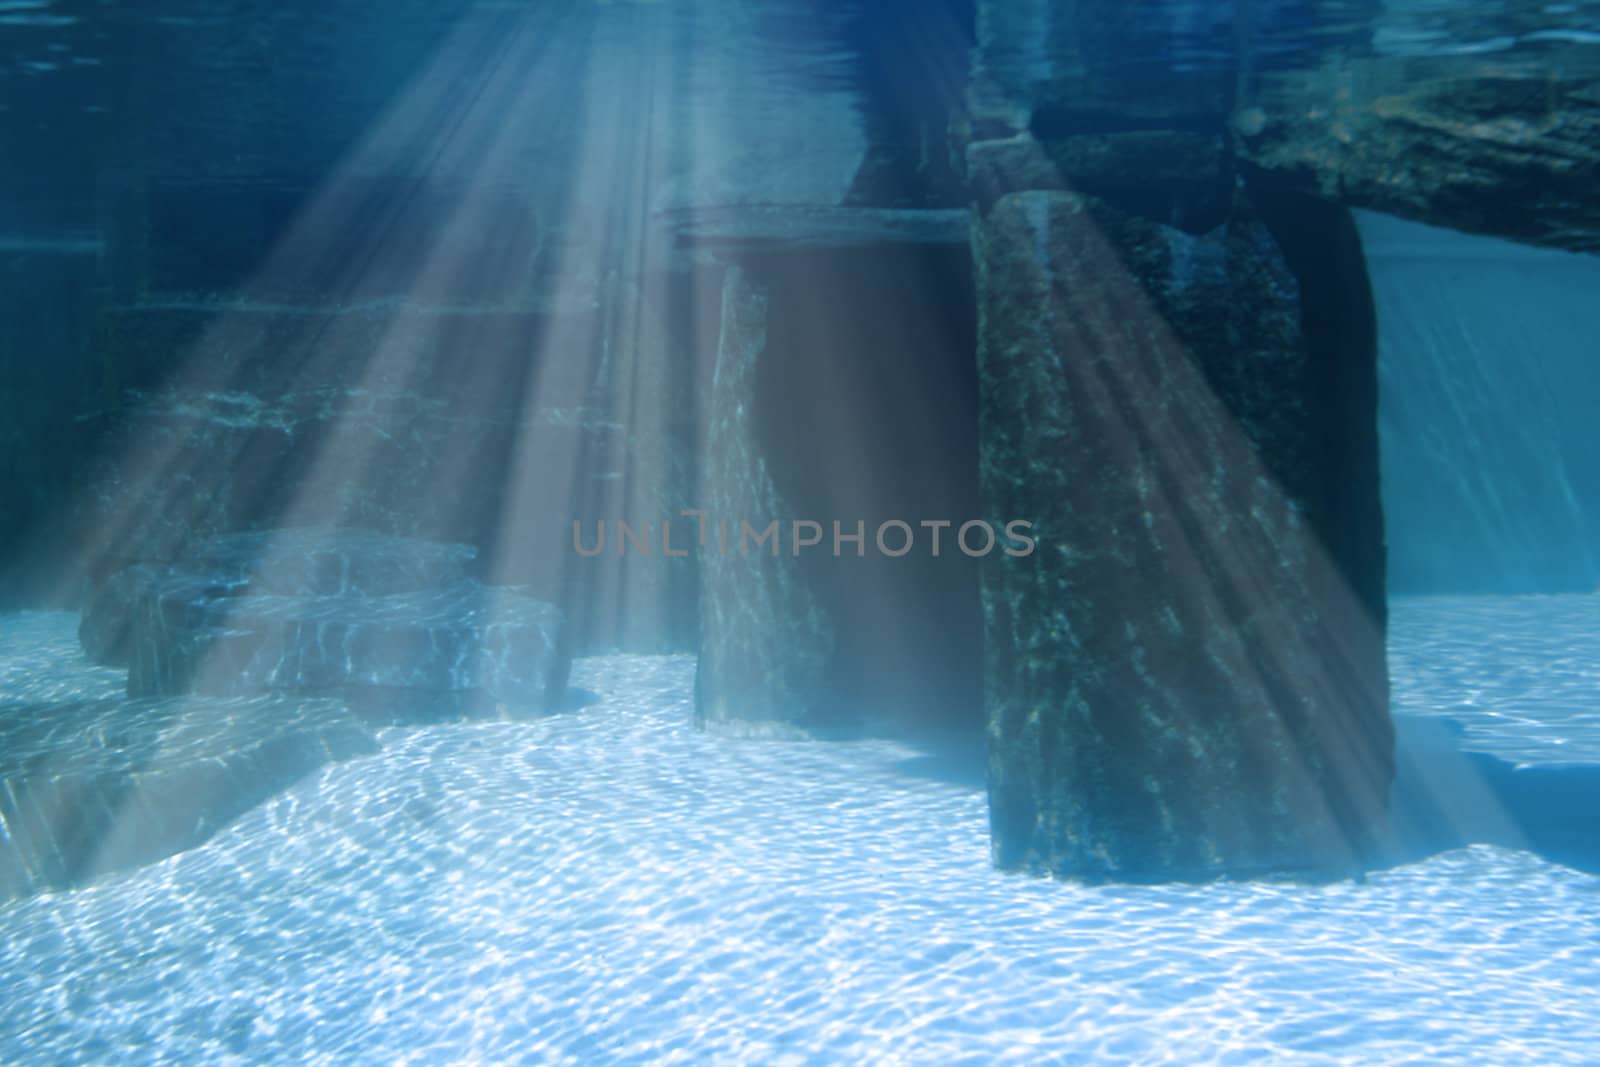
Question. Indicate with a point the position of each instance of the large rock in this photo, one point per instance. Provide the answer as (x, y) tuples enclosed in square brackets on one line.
[(1187, 679), (286, 563), (347, 612), (192, 635), (1502, 144), (1482, 119)]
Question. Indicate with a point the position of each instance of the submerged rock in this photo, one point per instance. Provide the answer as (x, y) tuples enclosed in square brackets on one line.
[(1187, 680), (192, 634), (294, 562), (765, 643), (1502, 145), (96, 786), (392, 621), (254, 660)]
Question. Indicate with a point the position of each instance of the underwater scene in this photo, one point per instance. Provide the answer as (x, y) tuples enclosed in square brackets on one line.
[(800, 532)]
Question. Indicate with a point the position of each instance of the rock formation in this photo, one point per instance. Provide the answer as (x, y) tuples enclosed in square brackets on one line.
[(1177, 373), (253, 660), (93, 786), (764, 641), (1181, 681), (397, 625)]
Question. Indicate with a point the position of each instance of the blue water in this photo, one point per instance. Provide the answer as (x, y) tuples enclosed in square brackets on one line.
[(1488, 389), (447, 267), (611, 886)]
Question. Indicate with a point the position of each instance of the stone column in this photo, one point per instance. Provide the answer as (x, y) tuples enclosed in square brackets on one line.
[(765, 644), (1186, 680)]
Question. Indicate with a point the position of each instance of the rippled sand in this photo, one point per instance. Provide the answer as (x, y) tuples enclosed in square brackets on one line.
[(608, 886), (1521, 674)]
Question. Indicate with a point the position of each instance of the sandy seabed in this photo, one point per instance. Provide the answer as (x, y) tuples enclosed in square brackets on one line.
[(608, 886)]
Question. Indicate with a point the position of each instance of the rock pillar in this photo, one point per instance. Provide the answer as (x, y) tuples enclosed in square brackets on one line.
[(765, 644), (1186, 680)]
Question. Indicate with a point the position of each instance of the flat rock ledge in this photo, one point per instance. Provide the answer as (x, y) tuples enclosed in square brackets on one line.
[(386, 622)]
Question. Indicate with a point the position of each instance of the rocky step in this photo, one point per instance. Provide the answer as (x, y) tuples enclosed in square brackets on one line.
[(191, 634), (396, 625), (300, 562), (96, 786)]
